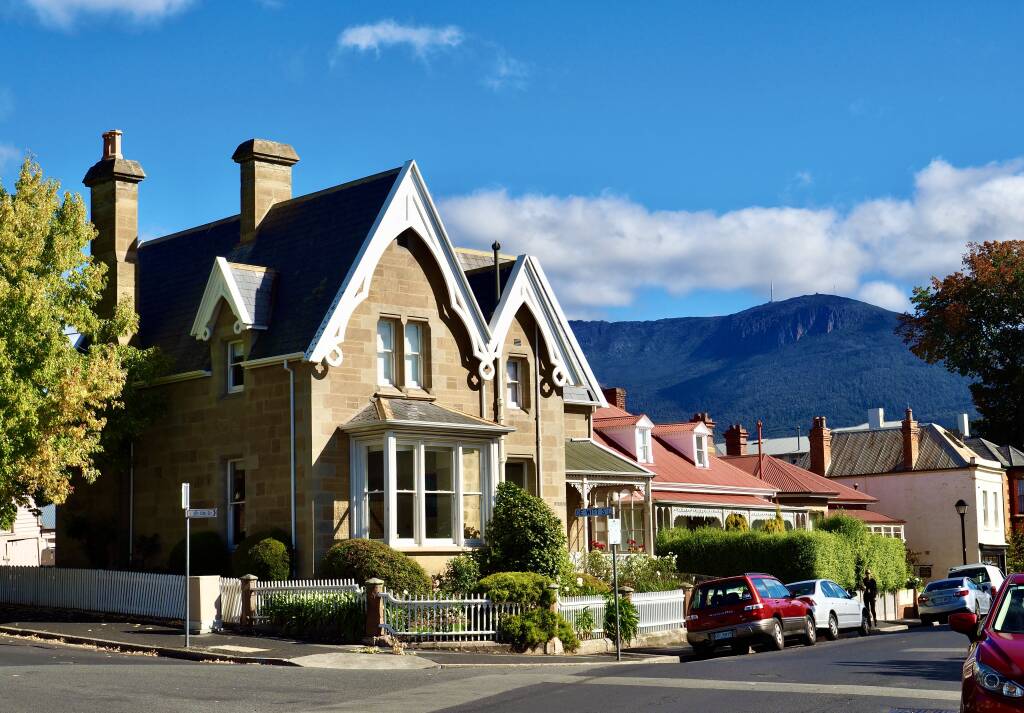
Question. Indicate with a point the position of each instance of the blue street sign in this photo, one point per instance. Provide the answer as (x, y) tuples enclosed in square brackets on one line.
[(593, 512)]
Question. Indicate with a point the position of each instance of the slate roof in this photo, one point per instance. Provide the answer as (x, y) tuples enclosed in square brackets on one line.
[(793, 480), (583, 456), (405, 411), (309, 243), (481, 282), (255, 285), (880, 451), (1007, 456)]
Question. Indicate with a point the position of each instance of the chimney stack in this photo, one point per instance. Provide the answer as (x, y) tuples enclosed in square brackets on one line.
[(616, 396), (705, 418), (113, 186), (876, 418), (266, 173), (820, 439), (911, 440), (736, 440), (963, 423)]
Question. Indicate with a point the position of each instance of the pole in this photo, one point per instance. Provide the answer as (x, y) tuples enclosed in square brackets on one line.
[(188, 534), (963, 537), (615, 586)]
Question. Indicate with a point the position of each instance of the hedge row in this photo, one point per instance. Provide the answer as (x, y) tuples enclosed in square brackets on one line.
[(790, 556)]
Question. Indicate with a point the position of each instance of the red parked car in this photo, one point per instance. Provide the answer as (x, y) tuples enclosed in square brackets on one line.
[(993, 674), (749, 609)]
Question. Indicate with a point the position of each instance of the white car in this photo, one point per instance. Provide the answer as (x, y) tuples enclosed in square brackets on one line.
[(835, 609), (982, 574)]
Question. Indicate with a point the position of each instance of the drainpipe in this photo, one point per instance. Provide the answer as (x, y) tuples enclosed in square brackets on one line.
[(131, 501), (291, 450), (536, 399)]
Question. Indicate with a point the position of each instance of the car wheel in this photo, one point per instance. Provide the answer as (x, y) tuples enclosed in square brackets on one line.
[(810, 637), (833, 627), (740, 648), (865, 626), (776, 639)]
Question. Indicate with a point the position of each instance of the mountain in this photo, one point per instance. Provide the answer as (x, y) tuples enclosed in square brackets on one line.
[(783, 362)]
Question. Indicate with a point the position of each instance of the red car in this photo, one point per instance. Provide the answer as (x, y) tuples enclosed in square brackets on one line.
[(748, 609), (993, 674)]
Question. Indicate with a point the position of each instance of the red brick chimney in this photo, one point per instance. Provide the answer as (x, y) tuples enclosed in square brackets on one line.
[(705, 418), (736, 440), (911, 440), (616, 396), (820, 439)]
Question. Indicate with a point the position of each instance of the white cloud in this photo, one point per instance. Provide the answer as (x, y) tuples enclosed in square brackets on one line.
[(507, 72), (64, 13), (9, 156), (601, 250), (421, 39)]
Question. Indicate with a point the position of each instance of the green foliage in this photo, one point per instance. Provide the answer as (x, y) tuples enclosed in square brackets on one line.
[(55, 399), (598, 564), (365, 559), (1015, 553), (584, 623), (535, 628), (524, 588), (736, 521), (776, 525), (207, 555), (334, 617), (461, 575), (649, 574), (845, 525), (524, 535), (581, 584), (268, 559), (886, 558), (629, 619)]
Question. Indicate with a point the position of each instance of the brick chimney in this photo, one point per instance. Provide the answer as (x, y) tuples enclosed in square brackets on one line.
[(820, 439), (616, 396), (911, 440), (736, 440), (113, 184), (266, 172)]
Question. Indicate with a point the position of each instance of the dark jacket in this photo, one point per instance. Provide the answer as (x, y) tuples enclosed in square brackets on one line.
[(870, 588)]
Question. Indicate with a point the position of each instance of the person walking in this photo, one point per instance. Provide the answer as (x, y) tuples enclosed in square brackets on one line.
[(870, 594)]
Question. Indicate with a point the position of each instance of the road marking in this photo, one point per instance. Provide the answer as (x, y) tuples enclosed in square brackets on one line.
[(950, 650)]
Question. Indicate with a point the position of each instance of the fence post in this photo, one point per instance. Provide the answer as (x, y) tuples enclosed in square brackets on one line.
[(626, 593), (374, 607), (554, 646), (553, 588), (248, 595)]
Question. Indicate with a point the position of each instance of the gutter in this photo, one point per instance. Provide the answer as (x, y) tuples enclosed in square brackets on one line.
[(291, 441)]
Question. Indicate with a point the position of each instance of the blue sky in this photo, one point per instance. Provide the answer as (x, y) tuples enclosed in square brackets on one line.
[(662, 159)]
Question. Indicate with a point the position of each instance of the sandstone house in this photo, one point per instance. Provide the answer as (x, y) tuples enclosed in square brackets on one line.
[(340, 370)]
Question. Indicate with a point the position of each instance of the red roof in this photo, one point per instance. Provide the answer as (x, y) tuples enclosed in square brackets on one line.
[(791, 479), (614, 417), (667, 428), (710, 499), (868, 516)]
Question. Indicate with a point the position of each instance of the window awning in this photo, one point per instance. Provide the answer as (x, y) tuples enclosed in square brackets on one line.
[(398, 413)]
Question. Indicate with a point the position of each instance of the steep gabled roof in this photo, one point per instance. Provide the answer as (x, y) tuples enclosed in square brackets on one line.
[(793, 480), (879, 451)]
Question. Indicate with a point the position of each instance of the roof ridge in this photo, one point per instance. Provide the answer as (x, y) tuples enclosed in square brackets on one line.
[(183, 231)]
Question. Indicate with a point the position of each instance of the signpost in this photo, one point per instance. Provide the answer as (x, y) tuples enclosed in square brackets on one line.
[(190, 515), (614, 539)]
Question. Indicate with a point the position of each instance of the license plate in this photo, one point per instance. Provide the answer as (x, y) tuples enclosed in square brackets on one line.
[(718, 635), (941, 600)]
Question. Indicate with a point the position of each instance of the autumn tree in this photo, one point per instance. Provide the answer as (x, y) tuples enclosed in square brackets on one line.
[(63, 374), (973, 322)]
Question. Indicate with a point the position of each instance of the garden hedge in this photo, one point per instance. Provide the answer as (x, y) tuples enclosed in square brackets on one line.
[(361, 560), (267, 562), (524, 588)]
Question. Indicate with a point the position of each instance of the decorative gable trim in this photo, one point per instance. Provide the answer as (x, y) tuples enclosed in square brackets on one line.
[(221, 284), (408, 206), (528, 286)]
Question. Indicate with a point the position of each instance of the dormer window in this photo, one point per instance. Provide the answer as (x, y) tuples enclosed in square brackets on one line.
[(236, 372), (701, 451), (644, 452), (385, 352)]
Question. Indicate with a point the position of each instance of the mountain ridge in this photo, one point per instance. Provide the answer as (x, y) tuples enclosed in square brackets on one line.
[(784, 362)]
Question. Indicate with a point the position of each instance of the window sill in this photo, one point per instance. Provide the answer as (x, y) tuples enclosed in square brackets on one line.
[(434, 549)]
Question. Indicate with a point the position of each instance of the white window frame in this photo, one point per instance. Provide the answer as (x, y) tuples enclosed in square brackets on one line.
[(413, 359), (514, 387), (230, 469), (984, 506), (233, 387), (390, 443), (700, 451), (644, 446), (385, 355)]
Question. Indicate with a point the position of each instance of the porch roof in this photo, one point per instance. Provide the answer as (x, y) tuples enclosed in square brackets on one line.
[(585, 457), (411, 413), (674, 496)]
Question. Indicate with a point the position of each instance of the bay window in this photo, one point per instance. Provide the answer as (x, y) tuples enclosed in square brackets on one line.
[(421, 492)]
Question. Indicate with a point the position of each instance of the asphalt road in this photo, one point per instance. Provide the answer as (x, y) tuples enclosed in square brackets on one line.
[(914, 670)]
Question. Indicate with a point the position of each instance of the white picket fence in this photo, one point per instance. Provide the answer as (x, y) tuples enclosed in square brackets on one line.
[(572, 608), (230, 600), (657, 611), (159, 596), (231, 593), (440, 618)]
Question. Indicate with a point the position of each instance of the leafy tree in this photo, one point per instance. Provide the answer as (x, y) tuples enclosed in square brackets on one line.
[(524, 535), (736, 521), (55, 397), (1015, 552), (973, 322)]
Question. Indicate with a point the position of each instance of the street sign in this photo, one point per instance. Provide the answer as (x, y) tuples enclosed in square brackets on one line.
[(185, 496), (614, 531), (594, 512), (199, 513)]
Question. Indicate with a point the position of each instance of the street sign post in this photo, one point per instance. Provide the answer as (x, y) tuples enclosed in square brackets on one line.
[(186, 501), (614, 540), (200, 513), (594, 512)]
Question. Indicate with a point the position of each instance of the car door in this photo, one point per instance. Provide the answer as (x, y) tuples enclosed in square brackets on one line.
[(836, 603), (792, 610), (850, 605)]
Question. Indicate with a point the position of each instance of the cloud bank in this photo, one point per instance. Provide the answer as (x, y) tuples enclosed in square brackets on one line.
[(602, 250), (64, 13), (422, 39)]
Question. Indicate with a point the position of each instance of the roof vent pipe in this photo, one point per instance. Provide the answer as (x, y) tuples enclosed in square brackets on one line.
[(963, 423), (496, 247)]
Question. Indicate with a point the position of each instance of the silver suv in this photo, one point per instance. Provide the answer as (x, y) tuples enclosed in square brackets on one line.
[(948, 596)]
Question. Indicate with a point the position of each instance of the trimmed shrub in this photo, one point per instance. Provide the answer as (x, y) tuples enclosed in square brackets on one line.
[(629, 619), (267, 559), (845, 525), (461, 575), (535, 628), (524, 588), (364, 559), (776, 525), (582, 584), (242, 564), (335, 617), (736, 521), (524, 535), (207, 555)]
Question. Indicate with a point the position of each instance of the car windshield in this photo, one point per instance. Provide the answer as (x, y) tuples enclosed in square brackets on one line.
[(801, 589), (978, 574), (1009, 618), (719, 594), (944, 584)]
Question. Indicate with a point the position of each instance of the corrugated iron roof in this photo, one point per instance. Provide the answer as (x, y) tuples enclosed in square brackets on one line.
[(880, 451), (869, 516), (584, 456), (793, 480), (674, 496)]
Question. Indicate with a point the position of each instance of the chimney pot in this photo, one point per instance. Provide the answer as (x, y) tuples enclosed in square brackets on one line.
[(266, 179), (911, 440), (112, 144)]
